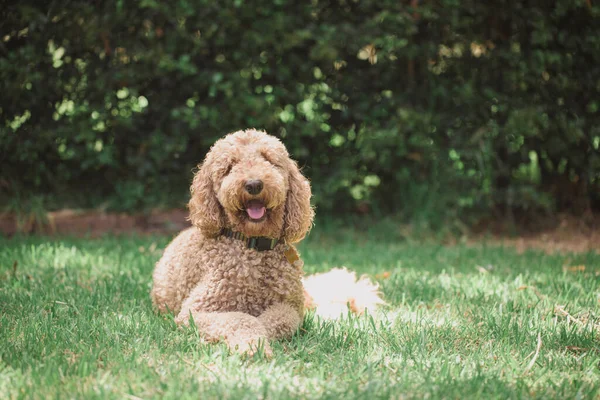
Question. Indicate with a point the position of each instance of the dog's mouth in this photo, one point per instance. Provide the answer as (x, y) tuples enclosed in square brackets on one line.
[(256, 210)]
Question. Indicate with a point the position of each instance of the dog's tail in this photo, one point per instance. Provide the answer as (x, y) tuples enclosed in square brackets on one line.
[(333, 293)]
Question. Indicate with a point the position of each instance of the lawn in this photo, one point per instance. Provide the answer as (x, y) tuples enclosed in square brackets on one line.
[(76, 322)]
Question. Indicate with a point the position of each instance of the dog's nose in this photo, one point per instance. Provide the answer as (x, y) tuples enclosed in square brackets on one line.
[(254, 186)]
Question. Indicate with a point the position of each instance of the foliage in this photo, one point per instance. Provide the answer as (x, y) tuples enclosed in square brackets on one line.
[(432, 109)]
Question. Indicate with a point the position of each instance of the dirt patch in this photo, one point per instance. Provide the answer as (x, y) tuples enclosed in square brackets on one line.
[(570, 234), (96, 223)]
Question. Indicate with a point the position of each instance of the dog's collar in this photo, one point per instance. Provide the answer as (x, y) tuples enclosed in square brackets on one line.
[(258, 243)]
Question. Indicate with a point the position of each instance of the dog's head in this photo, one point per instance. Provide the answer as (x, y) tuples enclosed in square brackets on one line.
[(248, 183)]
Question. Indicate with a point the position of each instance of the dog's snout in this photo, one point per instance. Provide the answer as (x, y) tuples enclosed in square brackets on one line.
[(254, 186)]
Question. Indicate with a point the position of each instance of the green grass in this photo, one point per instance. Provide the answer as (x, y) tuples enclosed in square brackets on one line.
[(76, 322)]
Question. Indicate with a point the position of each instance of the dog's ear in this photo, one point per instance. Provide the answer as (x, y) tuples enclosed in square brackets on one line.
[(298, 212), (205, 211)]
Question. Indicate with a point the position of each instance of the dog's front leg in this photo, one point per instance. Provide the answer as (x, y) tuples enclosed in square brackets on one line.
[(241, 332), (280, 320)]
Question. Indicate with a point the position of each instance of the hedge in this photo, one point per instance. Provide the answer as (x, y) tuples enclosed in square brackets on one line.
[(430, 109)]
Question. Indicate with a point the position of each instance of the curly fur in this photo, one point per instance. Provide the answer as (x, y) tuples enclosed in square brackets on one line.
[(239, 295)]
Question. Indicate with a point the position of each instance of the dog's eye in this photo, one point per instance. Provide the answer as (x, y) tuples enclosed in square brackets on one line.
[(228, 169)]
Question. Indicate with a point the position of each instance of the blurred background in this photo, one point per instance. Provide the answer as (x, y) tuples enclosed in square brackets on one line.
[(442, 113)]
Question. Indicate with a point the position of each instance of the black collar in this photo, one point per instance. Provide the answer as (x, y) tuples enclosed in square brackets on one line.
[(258, 243)]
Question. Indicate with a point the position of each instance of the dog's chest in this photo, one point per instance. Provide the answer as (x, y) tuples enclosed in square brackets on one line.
[(250, 281)]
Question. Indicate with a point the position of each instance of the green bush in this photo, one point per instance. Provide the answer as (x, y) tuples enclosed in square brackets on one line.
[(435, 110)]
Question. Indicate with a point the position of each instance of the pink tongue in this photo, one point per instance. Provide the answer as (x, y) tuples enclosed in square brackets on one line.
[(256, 212)]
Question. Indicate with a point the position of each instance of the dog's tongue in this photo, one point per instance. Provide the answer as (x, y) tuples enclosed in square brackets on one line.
[(256, 211)]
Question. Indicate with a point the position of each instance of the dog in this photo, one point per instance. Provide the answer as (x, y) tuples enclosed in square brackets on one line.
[(236, 273)]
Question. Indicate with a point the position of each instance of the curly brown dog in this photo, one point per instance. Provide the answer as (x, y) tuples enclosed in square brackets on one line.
[(236, 272), (246, 193)]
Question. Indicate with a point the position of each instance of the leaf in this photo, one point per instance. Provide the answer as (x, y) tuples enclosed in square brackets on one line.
[(574, 268), (383, 275), (368, 53)]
